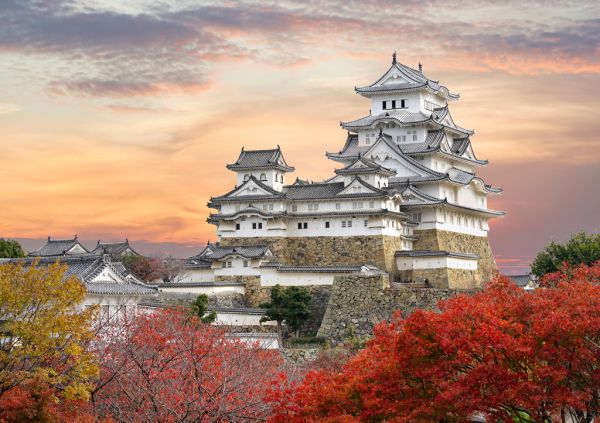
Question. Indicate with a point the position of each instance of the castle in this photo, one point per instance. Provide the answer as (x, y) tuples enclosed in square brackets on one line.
[(405, 199)]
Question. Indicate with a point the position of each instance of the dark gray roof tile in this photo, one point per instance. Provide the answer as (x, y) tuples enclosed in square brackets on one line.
[(57, 247), (260, 159)]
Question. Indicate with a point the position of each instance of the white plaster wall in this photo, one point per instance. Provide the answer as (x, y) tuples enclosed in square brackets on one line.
[(271, 277), (207, 290), (113, 308), (467, 196), (196, 275), (237, 268), (240, 319), (442, 262), (266, 342), (412, 102), (273, 178)]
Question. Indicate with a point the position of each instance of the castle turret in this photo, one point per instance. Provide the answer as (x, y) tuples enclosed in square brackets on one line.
[(267, 166)]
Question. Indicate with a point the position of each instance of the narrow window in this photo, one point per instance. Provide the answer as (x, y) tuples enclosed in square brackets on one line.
[(393, 104), (403, 104), (237, 226), (245, 263), (327, 225), (366, 222), (337, 206), (253, 225), (260, 225), (385, 105), (343, 223), (294, 207), (349, 224), (299, 225), (305, 225)]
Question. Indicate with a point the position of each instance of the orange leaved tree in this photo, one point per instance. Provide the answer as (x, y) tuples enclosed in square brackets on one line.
[(506, 353)]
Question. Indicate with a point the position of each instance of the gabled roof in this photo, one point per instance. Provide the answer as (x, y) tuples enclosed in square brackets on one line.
[(331, 191), (115, 249), (217, 252), (437, 142), (313, 191), (87, 268), (229, 195), (59, 247), (439, 118), (412, 195), (363, 165), (401, 78), (409, 161), (371, 190), (260, 159)]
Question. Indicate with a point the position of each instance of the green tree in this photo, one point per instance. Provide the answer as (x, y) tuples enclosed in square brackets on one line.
[(200, 309), (582, 248), (10, 249), (290, 305)]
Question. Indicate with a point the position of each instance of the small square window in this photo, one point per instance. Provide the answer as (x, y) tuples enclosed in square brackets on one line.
[(327, 224), (299, 225), (245, 263), (349, 224), (254, 226), (259, 225)]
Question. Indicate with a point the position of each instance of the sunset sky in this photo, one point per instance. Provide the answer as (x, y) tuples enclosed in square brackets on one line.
[(117, 120)]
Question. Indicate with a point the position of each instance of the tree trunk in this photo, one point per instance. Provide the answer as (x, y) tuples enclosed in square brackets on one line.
[(279, 334)]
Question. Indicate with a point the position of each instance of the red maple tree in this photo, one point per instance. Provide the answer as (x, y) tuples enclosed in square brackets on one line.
[(505, 353), (171, 367)]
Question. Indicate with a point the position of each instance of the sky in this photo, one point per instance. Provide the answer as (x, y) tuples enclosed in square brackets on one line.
[(117, 118)]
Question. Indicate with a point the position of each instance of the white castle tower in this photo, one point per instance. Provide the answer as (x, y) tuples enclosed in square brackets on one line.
[(406, 199)]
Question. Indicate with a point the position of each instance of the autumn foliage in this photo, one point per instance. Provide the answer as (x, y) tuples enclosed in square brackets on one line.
[(172, 367), (506, 353), (46, 369)]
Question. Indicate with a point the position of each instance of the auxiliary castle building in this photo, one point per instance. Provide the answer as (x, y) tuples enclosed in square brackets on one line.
[(405, 197)]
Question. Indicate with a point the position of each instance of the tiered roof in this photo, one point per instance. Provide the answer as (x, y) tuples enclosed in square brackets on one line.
[(439, 118), (260, 159), (402, 78)]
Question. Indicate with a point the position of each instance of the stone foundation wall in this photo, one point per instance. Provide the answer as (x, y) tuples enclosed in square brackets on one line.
[(329, 250), (443, 278), (358, 303), (434, 239)]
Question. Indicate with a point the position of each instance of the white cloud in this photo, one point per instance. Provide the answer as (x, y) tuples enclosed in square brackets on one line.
[(6, 108)]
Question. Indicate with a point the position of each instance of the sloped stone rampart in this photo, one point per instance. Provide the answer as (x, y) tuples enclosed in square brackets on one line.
[(358, 303)]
